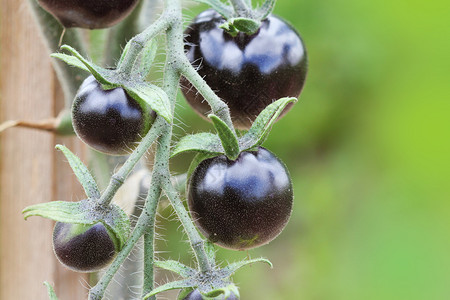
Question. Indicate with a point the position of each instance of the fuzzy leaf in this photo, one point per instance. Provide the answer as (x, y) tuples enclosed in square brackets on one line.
[(51, 291), (227, 137), (176, 267), (118, 222), (232, 268), (104, 76), (266, 9), (145, 61), (82, 173), (261, 127), (153, 96), (181, 284), (200, 142), (70, 60), (62, 211), (218, 6)]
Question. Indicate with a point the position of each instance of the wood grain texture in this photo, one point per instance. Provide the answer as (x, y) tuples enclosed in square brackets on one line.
[(31, 171)]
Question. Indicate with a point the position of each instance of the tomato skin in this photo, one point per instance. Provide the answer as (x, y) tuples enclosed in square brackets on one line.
[(248, 72), (89, 14), (83, 248), (241, 204), (110, 121)]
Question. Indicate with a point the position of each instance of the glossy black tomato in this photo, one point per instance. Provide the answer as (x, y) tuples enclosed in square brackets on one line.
[(195, 295), (241, 204), (89, 14), (84, 248), (110, 121), (248, 72)]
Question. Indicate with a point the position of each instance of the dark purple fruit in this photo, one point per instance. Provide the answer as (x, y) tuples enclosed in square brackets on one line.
[(90, 14), (248, 72), (110, 121), (84, 248), (241, 204)]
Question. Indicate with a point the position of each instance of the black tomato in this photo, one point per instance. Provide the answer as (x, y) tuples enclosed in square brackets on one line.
[(83, 248), (241, 204), (109, 121), (195, 295), (248, 72), (91, 14)]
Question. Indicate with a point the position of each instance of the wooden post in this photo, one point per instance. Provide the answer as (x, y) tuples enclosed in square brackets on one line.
[(31, 170)]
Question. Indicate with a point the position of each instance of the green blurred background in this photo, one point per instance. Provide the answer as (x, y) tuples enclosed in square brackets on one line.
[(368, 148)]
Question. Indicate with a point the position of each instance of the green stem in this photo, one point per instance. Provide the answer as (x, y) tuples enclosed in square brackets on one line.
[(149, 260), (118, 178), (218, 107), (241, 7), (139, 41), (70, 78)]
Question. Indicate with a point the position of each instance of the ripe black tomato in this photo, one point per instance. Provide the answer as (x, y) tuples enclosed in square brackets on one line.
[(248, 72), (195, 295), (109, 121), (84, 248), (89, 14), (241, 204)]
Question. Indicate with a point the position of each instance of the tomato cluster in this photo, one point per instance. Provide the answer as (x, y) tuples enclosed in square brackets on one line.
[(248, 72)]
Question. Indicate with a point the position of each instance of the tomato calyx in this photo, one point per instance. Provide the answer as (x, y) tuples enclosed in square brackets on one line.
[(214, 284)]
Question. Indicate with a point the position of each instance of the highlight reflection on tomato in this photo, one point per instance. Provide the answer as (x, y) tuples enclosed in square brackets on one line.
[(248, 72)]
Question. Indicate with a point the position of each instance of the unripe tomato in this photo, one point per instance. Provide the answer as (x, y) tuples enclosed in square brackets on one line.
[(110, 121), (90, 14), (84, 248), (248, 72), (241, 204)]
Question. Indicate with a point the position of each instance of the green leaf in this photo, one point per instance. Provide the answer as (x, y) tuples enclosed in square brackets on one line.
[(176, 267), (63, 211), (118, 222), (51, 291), (227, 137), (81, 171), (145, 61), (181, 284), (266, 9), (218, 6), (104, 76), (232, 268), (200, 142), (261, 127), (245, 25), (153, 96), (70, 60)]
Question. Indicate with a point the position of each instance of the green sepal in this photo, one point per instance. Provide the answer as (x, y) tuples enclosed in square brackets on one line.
[(153, 96), (102, 75), (200, 142), (224, 292), (180, 284), (261, 127), (70, 60), (63, 211), (176, 267), (235, 25), (81, 171), (86, 212), (218, 6), (145, 60), (184, 293), (232, 268), (266, 9), (51, 291), (227, 137)]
